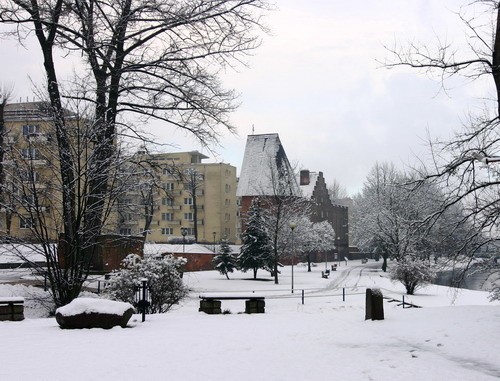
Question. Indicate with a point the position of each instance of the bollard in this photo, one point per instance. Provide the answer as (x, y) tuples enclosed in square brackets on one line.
[(374, 304), (343, 294), (302, 296)]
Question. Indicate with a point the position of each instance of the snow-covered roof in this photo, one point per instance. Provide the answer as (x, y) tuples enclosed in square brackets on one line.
[(264, 157), (165, 248)]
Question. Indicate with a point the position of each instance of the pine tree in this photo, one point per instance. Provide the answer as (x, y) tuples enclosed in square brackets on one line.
[(225, 262), (256, 251)]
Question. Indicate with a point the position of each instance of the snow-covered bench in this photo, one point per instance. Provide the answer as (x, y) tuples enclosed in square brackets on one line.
[(325, 274), (11, 308), (211, 304)]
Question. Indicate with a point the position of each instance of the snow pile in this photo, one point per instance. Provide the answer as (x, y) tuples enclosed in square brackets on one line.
[(93, 305)]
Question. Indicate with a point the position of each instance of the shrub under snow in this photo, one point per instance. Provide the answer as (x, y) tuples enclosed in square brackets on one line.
[(412, 273), (164, 278)]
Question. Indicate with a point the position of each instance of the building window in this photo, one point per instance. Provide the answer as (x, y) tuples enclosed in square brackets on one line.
[(169, 186), (168, 171), (228, 188), (227, 217), (31, 176), (188, 201), (167, 231), (188, 216), (125, 231), (189, 231), (126, 217), (167, 216), (30, 153), (30, 129), (28, 200), (167, 201), (26, 223), (228, 202)]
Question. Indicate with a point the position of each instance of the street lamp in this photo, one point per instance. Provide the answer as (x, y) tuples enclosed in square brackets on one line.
[(338, 249), (325, 237), (183, 232), (293, 225), (214, 240)]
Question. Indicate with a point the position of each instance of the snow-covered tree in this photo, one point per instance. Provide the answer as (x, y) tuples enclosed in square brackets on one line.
[(164, 279), (225, 261), (312, 237), (256, 251), (412, 272), (395, 216)]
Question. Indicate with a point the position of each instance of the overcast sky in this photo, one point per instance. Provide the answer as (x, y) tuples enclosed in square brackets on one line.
[(317, 83)]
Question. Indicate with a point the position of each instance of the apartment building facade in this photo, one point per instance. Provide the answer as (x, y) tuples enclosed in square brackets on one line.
[(31, 190), (191, 200)]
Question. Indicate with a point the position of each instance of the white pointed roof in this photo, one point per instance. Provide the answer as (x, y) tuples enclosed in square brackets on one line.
[(264, 158)]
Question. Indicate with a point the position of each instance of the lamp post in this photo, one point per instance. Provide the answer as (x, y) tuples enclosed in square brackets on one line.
[(338, 249), (326, 252), (214, 240), (293, 225), (183, 232)]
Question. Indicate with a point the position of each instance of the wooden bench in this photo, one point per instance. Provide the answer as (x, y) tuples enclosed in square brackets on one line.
[(325, 274), (211, 304), (11, 308), (334, 267)]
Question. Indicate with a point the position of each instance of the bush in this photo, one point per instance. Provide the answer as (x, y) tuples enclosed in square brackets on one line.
[(164, 279), (412, 273)]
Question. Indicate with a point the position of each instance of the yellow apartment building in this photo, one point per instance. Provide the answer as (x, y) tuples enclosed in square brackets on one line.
[(190, 197), (30, 182)]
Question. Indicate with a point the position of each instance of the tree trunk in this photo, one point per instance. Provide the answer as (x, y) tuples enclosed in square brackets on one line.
[(495, 70)]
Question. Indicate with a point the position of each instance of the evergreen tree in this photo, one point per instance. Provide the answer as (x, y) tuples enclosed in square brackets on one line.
[(225, 262), (256, 251)]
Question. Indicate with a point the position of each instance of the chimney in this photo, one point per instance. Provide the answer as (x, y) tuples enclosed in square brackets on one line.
[(304, 177)]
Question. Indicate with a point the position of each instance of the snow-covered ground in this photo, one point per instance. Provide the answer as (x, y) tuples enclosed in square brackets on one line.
[(456, 336)]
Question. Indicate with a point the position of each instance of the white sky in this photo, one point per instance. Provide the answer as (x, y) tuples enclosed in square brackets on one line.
[(317, 83)]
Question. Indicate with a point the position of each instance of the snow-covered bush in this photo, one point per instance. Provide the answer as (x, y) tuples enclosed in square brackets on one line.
[(412, 273), (164, 278)]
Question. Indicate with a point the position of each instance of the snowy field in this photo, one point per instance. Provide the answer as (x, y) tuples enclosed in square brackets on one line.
[(455, 336)]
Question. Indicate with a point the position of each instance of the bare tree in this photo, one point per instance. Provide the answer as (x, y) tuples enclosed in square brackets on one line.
[(282, 206), (337, 191), (155, 59), (458, 163), (194, 183)]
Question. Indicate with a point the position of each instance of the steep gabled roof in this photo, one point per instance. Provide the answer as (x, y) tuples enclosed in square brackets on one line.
[(264, 159)]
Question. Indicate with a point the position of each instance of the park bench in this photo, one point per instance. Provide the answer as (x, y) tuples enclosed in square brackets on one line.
[(364, 260), (334, 267), (325, 274), (211, 304), (11, 308)]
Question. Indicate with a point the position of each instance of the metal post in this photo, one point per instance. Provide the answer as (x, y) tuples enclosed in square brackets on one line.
[(293, 225), (144, 285), (343, 294), (302, 296), (338, 249), (183, 232)]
